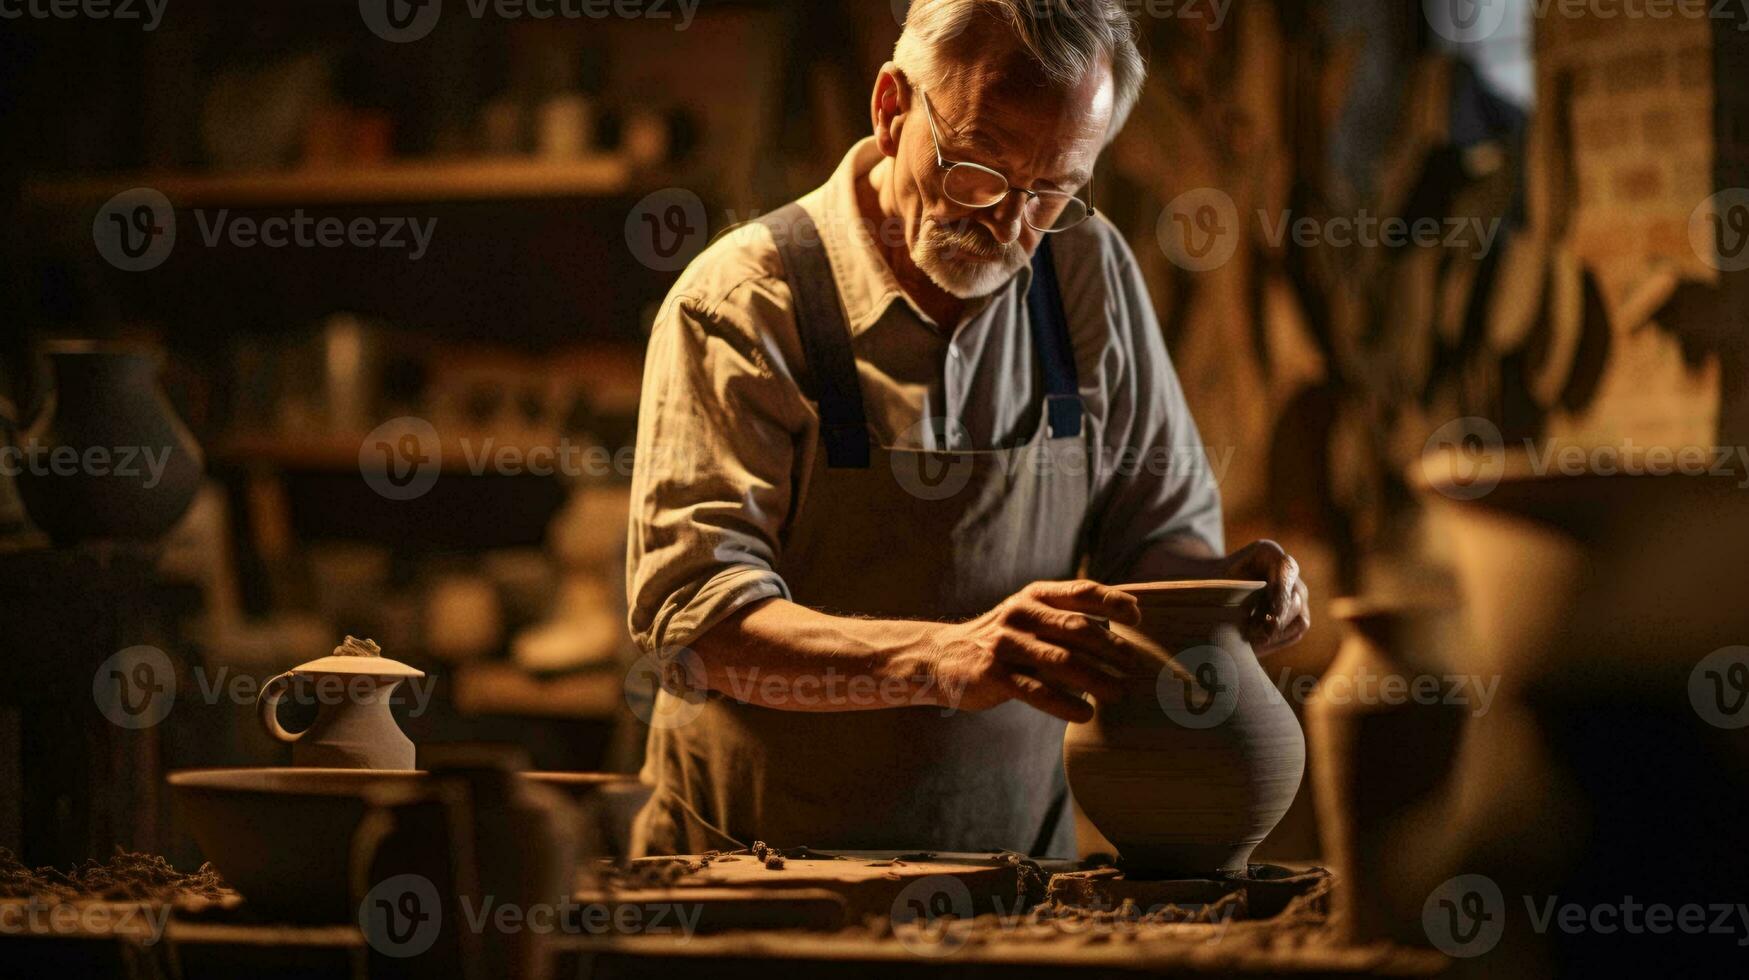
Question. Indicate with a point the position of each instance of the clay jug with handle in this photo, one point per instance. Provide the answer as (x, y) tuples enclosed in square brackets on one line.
[(354, 727)]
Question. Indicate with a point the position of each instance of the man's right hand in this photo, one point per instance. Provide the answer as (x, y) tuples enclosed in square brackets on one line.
[(1041, 645)]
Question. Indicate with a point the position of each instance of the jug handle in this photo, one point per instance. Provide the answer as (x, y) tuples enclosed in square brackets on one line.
[(267, 705)]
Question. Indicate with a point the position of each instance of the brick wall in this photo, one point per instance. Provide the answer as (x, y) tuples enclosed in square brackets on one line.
[(1639, 121)]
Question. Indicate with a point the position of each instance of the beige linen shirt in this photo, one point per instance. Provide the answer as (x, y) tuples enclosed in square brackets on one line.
[(725, 433)]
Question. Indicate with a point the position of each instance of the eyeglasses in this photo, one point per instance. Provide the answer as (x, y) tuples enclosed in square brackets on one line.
[(973, 185)]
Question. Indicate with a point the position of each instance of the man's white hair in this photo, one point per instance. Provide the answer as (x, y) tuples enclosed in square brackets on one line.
[(1067, 38)]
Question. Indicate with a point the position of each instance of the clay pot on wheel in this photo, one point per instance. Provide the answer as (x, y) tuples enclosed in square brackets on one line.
[(1193, 768)]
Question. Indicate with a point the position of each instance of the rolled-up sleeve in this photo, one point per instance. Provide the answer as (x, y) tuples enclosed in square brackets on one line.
[(1159, 484), (712, 478)]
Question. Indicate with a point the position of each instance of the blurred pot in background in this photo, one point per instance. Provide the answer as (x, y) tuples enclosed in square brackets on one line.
[(106, 457), (1616, 760), (1383, 761)]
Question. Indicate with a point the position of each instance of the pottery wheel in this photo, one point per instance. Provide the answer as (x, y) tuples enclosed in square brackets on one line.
[(1267, 892), (743, 890)]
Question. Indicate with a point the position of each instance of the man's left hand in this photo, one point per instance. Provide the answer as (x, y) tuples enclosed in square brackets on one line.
[(1283, 612)]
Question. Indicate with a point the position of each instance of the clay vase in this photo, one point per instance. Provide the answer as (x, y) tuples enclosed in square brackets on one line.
[(1383, 765), (1197, 763), (106, 458), (1603, 603), (355, 724)]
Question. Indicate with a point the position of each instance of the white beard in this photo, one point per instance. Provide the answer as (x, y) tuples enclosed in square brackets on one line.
[(965, 262)]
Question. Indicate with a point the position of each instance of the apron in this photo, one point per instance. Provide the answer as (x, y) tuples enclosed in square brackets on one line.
[(894, 533)]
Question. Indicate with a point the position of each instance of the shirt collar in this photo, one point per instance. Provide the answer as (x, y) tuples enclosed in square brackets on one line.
[(866, 284)]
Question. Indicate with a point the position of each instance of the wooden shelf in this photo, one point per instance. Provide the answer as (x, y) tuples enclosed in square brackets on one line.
[(478, 179)]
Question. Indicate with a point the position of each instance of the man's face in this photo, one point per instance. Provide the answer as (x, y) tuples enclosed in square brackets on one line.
[(998, 112)]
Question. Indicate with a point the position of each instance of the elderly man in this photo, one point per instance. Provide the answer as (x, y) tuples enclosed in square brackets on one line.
[(892, 439)]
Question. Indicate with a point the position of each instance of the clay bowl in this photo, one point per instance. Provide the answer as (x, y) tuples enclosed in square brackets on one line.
[(283, 837), (1199, 761)]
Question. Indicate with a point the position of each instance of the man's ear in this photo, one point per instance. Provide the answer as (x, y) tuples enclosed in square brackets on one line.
[(887, 106)]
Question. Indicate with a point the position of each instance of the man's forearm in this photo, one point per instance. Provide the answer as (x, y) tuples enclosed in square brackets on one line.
[(777, 654)]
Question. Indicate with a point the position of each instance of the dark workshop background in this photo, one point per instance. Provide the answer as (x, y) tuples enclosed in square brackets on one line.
[(1317, 371)]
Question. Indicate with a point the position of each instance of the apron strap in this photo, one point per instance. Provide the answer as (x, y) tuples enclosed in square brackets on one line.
[(825, 336), (1050, 338), (831, 363)]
